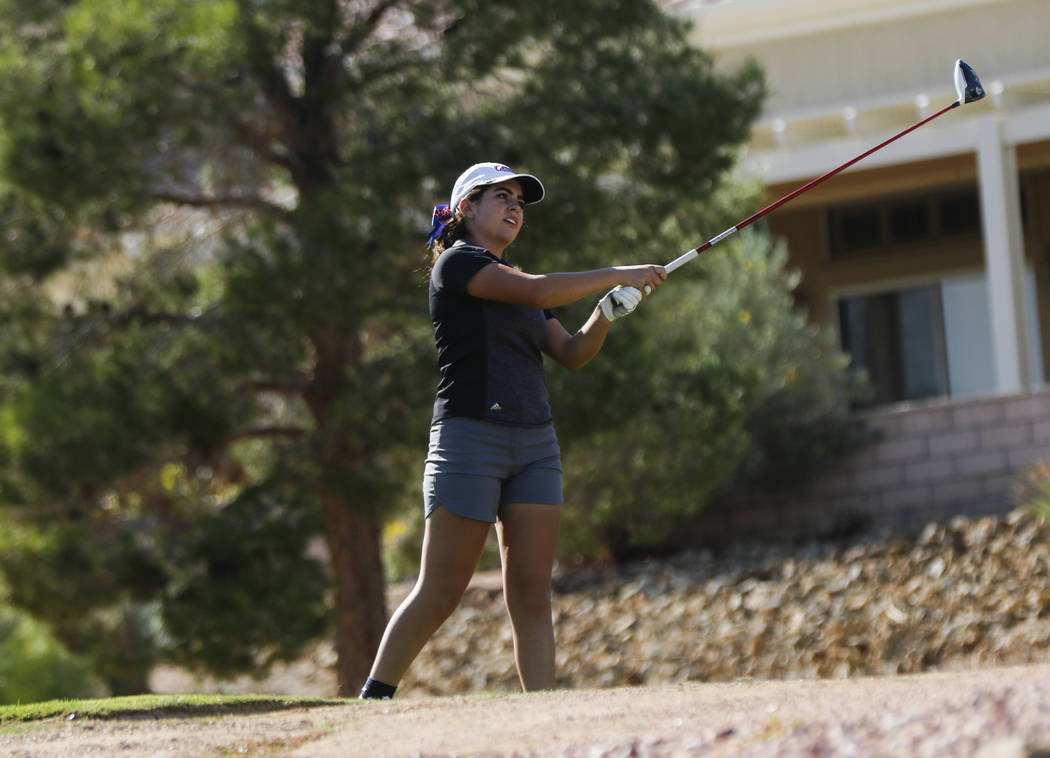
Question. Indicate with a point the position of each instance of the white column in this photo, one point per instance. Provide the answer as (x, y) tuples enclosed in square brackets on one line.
[(1003, 254)]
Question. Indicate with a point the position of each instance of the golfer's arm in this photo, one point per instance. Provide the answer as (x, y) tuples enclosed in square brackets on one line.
[(508, 285), (574, 351)]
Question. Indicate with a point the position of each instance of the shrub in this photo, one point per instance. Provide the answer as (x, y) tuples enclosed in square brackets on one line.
[(718, 383), (34, 666), (1032, 489)]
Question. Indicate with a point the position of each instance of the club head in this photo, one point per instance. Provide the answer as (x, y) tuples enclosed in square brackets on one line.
[(967, 85)]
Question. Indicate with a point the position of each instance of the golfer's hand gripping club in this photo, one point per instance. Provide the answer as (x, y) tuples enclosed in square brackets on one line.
[(619, 301), (967, 87)]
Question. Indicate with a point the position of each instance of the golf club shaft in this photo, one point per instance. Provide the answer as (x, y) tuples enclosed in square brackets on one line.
[(688, 256)]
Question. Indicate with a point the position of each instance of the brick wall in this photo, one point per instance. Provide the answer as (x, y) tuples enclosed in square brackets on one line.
[(932, 461)]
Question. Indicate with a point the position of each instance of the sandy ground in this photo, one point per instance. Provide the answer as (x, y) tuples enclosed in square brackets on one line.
[(990, 713)]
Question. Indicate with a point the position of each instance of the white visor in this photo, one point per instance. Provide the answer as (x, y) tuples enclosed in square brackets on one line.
[(484, 174)]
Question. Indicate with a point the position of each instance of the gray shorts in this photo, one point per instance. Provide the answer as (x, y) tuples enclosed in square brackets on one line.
[(473, 467)]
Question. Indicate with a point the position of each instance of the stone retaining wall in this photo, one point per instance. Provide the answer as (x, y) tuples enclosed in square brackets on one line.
[(932, 461)]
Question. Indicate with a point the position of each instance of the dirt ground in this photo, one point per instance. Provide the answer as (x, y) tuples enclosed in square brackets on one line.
[(988, 713)]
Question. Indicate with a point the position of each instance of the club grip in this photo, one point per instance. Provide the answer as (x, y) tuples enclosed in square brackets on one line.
[(681, 260), (686, 257)]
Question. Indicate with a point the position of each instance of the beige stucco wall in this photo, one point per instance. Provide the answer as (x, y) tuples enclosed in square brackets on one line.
[(932, 461), (891, 58)]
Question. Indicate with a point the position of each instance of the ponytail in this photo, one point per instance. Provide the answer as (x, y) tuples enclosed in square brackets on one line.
[(448, 227)]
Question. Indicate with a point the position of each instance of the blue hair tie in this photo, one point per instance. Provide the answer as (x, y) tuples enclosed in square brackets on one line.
[(442, 215)]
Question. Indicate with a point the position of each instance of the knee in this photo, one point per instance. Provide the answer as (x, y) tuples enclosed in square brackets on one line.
[(438, 599), (528, 592)]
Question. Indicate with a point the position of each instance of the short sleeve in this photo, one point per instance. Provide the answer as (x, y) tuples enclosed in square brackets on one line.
[(456, 267)]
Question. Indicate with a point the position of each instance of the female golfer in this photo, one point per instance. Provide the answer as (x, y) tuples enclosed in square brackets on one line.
[(493, 456)]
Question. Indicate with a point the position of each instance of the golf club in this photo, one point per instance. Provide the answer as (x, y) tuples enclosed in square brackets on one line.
[(967, 86)]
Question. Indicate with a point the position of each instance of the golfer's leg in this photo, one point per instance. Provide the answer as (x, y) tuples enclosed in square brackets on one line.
[(528, 536), (452, 546)]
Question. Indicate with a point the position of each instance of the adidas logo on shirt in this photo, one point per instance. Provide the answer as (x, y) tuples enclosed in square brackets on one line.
[(495, 407)]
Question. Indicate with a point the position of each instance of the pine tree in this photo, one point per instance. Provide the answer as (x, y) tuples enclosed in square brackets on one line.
[(216, 344)]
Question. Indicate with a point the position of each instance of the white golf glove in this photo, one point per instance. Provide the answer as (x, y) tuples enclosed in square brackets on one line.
[(620, 301)]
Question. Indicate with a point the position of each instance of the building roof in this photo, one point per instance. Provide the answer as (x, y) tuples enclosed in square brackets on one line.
[(844, 73)]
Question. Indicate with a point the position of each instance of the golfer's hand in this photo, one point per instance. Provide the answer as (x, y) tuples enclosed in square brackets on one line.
[(644, 278), (620, 301)]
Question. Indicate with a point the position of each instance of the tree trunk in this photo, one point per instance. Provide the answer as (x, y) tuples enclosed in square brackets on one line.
[(360, 598), (353, 536)]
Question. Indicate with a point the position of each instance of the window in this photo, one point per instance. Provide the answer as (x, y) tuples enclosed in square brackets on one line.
[(910, 222), (859, 229), (959, 213), (897, 339), (856, 229)]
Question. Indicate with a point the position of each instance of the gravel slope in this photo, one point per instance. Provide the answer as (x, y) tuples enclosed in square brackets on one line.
[(964, 595), (961, 595)]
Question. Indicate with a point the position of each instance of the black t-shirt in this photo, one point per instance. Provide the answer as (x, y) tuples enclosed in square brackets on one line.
[(490, 353)]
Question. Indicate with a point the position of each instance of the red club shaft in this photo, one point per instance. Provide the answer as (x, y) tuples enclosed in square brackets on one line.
[(689, 255)]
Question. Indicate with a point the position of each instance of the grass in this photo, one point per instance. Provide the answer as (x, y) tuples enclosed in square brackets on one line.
[(158, 706)]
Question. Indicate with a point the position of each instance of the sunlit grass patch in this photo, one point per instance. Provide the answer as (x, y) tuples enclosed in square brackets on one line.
[(158, 706)]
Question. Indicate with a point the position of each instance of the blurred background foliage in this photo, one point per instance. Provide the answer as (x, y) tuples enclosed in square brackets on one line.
[(34, 666), (216, 366), (724, 386), (1032, 489)]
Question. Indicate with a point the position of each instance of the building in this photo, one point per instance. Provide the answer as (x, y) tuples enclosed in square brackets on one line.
[(931, 257)]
